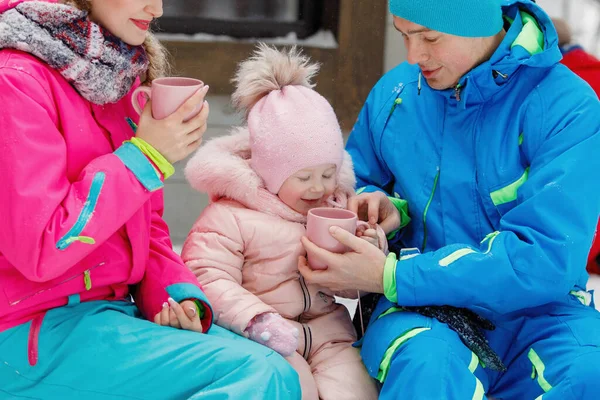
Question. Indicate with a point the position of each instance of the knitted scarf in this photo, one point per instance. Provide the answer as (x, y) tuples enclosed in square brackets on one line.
[(468, 325), (100, 66)]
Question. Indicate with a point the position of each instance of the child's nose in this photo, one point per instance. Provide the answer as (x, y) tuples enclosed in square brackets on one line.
[(318, 187)]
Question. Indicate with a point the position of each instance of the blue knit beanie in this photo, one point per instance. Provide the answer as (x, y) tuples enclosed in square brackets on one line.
[(468, 18)]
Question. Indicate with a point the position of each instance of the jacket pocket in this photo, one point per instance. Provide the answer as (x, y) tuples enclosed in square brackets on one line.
[(23, 290)]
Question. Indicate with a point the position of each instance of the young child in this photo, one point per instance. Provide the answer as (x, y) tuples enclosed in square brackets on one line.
[(262, 180)]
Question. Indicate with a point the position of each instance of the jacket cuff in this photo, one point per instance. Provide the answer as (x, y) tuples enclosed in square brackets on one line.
[(186, 291), (140, 166), (402, 207), (389, 278), (165, 167)]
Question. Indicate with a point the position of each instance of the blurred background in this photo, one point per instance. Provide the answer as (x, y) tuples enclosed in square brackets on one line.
[(353, 39)]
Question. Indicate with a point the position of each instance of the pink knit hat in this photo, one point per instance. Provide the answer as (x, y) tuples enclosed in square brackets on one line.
[(291, 126)]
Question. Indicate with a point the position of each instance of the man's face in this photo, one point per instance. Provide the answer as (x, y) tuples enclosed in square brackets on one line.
[(443, 58)]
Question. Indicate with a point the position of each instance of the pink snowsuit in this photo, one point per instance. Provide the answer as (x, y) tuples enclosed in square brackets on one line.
[(244, 249)]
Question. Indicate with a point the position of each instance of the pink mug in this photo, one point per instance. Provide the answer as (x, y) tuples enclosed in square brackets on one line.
[(318, 222), (168, 94)]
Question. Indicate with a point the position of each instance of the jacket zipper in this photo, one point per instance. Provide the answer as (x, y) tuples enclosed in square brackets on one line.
[(435, 182), (86, 278), (305, 294), (457, 90)]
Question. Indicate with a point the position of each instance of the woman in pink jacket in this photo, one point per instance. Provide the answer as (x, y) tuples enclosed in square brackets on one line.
[(81, 214), (244, 248)]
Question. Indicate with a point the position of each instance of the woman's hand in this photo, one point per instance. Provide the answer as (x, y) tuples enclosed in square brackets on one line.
[(172, 137), (180, 316)]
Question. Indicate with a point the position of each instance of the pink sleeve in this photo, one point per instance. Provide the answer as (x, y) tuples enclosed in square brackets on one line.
[(214, 251), (166, 274), (50, 223)]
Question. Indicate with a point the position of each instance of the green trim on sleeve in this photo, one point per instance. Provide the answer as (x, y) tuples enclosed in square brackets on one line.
[(165, 167), (402, 207), (389, 278), (509, 193), (392, 234), (455, 256)]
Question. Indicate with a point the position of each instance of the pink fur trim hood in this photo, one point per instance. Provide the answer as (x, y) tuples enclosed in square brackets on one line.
[(221, 168)]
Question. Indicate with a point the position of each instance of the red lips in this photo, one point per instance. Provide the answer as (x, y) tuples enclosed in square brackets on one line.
[(142, 24), (429, 73)]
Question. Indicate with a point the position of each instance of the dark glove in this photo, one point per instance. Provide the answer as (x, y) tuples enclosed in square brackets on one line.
[(468, 325)]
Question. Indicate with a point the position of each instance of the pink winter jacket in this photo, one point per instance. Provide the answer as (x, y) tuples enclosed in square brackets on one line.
[(244, 247), (80, 212)]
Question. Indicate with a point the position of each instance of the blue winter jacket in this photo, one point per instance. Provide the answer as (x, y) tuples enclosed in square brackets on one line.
[(500, 175)]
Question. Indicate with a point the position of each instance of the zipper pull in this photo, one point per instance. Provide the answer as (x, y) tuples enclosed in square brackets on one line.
[(457, 90), (498, 73), (87, 279), (397, 102), (489, 236)]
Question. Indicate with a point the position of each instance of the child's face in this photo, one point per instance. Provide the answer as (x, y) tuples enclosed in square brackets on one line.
[(309, 188)]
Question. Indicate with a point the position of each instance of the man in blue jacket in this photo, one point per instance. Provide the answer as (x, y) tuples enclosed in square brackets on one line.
[(482, 150)]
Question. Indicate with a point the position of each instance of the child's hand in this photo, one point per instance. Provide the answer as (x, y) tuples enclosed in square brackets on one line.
[(373, 235), (273, 331), (368, 234), (180, 316)]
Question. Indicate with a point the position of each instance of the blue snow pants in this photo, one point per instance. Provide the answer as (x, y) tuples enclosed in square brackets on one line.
[(106, 350), (550, 354)]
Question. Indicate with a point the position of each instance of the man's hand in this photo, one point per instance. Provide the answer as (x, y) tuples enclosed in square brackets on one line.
[(376, 208), (361, 268)]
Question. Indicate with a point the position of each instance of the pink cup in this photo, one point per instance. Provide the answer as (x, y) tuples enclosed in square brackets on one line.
[(168, 94), (318, 222)]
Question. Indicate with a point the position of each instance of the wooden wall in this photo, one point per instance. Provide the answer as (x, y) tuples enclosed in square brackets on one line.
[(347, 73)]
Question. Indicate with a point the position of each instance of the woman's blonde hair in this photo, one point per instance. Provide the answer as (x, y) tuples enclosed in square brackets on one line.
[(158, 57)]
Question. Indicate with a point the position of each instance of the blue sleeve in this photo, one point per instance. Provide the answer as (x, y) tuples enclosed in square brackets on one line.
[(538, 255)]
